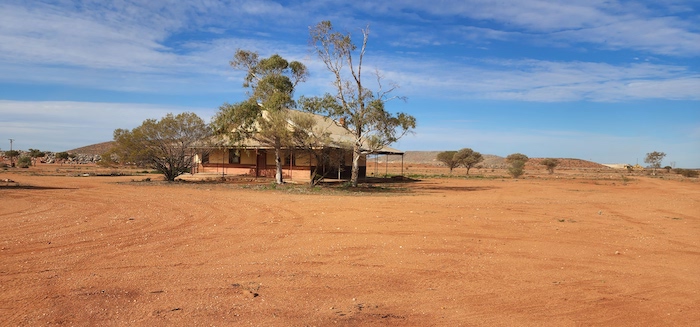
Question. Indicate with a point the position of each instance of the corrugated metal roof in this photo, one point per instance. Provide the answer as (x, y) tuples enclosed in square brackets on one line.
[(341, 136)]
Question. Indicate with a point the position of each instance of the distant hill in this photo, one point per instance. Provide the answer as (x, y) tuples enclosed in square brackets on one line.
[(93, 149), (567, 163), (490, 161), (429, 158)]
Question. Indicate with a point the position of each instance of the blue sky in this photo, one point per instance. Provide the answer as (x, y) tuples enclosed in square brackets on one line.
[(606, 81)]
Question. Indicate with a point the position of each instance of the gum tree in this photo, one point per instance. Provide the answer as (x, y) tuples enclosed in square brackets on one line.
[(316, 141), (264, 116), (468, 158), (362, 109), (448, 158), (654, 160), (550, 163), (165, 145), (12, 154), (34, 154)]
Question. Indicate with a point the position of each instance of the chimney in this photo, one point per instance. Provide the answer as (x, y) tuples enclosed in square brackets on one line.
[(342, 122)]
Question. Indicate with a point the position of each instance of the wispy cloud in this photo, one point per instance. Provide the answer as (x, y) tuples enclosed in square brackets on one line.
[(611, 25), (120, 46), (545, 81)]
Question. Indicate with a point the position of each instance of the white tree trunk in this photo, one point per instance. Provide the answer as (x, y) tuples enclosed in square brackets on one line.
[(278, 162), (356, 153)]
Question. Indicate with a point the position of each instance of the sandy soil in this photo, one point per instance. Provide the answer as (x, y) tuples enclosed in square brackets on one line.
[(437, 252)]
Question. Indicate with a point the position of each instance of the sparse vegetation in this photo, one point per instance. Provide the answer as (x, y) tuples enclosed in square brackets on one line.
[(516, 163), (467, 158), (654, 160), (448, 158), (263, 116), (165, 145), (11, 154), (34, 153), (550, 163), (362, 109), (625, 179), (24, 162), (62, 156), (686, 172)]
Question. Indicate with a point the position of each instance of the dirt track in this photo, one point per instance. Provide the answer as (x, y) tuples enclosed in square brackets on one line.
[(445, 252)]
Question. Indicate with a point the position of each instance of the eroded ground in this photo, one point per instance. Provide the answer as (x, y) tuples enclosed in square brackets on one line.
[(442, 252)]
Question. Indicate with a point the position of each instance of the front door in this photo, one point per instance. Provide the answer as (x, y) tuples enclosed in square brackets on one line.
[(261, 164)]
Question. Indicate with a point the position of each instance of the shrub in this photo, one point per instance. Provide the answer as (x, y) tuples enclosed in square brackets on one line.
[(24, 162), (550, 163), (517, 164), (517, 168), (686, 172)]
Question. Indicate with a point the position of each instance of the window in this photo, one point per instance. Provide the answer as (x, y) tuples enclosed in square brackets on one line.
[(289, 159), (233, 157), (205, 157)]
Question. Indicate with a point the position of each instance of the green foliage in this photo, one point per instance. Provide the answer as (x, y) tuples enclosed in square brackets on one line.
[(11, 154), (654, 160), (468, 158), (362, 108), (550, 163), (517, 157), (24, 162), (272, 80), (34, 153), (686, 172), (448, 158), (316, 142), (165, 145), (517, 168), (263, 116), (62, 155), (668, 169), (517, 164)]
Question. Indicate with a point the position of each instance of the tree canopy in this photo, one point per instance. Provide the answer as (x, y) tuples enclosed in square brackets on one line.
[(35, 153), (550, 163), (264, 115), (314, 140), (363, 109), (164, 145), (468, 158), (448, 158), (654, 160), (517, 164)]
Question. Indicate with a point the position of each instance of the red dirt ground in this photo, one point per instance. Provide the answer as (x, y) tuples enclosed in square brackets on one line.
[(572, 251)]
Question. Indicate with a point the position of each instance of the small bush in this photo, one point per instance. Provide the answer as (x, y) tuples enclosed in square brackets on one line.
[(24, 162), (686, 172), (517, 168), (550, 163)]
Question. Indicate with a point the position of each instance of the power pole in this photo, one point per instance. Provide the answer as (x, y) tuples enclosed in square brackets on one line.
[(12, 164)]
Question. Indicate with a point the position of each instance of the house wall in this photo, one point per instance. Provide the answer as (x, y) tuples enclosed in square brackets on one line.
[(300, 171), (248, 157), (218, 156)]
